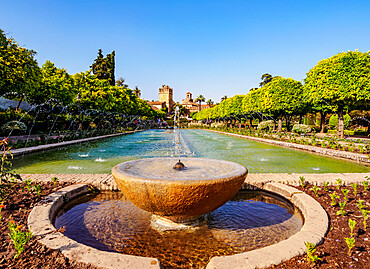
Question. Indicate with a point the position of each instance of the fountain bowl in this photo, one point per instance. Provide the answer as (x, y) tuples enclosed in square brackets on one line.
[(179, 196)]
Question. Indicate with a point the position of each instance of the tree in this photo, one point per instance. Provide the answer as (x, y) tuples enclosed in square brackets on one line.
[(282, 97), (182, 109), (200, 99), (103, 68), (342, 82), (266, 78), (210, 102), (137, 92), (19, 71), (55, 83), (121, 82)]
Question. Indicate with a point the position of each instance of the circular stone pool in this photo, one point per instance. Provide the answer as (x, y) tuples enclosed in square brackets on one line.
[(251, 220)]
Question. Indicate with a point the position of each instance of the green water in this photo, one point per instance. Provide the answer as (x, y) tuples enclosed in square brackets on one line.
[(101, 156)]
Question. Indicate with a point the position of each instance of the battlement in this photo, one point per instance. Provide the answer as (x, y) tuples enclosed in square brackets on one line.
[(165, 89)]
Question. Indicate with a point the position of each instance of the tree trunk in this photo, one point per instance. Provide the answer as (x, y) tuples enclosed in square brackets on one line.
[(280, 125), (340, 130), (322, 121), (287, 121), (19, 103), (251, 122)]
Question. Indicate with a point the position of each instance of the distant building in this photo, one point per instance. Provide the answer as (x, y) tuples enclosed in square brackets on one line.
[(165, 99), (190, 105), (157, 105)]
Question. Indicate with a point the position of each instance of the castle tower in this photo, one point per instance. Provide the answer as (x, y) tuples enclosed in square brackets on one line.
[(189, 97), (166, 96)]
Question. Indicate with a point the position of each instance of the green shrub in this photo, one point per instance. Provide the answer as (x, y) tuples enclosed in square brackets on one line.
[(16, 127), (266, 125), (333, 121), (301, 128)]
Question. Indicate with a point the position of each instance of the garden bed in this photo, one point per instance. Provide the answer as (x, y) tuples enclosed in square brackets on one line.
[(333, 252)]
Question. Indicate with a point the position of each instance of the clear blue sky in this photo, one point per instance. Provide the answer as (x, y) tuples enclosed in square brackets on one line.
[(214, 48)]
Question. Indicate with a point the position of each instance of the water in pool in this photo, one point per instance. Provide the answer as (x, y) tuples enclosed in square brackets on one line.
[(101, 156), (108, 221)]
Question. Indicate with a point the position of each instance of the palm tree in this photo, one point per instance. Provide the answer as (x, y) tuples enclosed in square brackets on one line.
[(200, 99), (120, 82), (137, 92), (210, 102), (223, 98)]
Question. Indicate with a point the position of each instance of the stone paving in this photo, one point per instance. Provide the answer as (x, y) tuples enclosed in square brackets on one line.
[(106, 181)]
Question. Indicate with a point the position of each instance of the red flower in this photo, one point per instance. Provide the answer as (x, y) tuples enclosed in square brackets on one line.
[(2, 206)]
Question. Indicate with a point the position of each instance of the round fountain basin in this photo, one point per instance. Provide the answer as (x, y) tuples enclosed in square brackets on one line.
[(180, 196)]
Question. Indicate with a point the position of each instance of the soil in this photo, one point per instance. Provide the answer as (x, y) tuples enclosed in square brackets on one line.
[(333, 252), (18, 205)]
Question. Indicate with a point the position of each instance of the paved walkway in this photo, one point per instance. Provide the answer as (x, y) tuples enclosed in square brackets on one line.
[(106, 181)]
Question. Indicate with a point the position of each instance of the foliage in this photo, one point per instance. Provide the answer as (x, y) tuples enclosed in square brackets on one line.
[(333, 121), (266, 125), (13, 127), (103, 67), (345, 193), (354, 186), (365, 215), (310, 249), (18, 237), (56, 83), (302, 181), (315, 190), (342, 82), (200, 99), (266, 78), (339, 182), (326, 185), (352, 224), (334, 198), (301, 128), (366, 185), (19, 71), (342, 211), (350, 241), (282, 97)]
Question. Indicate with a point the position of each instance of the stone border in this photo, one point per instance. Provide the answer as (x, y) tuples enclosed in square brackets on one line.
[(316, 225), (314, 229), (106, 182), (22, 151), (41, 226), (318, 150)]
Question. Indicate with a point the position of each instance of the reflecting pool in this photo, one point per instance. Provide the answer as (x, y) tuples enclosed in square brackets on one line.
[(101, 156)]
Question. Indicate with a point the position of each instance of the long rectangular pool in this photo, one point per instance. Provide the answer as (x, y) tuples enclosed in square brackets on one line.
[(100, 156)]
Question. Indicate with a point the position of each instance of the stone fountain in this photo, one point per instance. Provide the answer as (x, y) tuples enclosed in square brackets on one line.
[(179, 198)]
